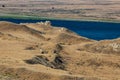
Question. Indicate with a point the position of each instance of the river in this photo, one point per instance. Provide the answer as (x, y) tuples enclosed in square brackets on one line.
[(90, 29)]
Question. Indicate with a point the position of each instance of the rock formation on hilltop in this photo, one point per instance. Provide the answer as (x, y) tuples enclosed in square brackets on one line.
[(39, 51)]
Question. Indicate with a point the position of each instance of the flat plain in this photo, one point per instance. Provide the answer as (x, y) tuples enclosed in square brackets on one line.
[(73, 9)]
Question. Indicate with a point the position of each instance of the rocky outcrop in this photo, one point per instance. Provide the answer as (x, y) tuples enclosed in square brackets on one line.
[(105, 46), (57, 62)]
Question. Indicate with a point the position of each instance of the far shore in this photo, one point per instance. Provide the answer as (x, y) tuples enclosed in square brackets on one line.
[(51, 18)]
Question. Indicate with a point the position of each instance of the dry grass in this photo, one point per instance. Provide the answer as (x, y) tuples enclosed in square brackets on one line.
[(78, 9), (58, 55)]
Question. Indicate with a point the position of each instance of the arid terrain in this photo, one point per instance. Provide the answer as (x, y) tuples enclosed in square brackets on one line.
[(73, 9), (39, 51)]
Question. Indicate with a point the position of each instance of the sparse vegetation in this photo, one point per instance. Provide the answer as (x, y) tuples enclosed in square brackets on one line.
[(26, 53), (60, 9)]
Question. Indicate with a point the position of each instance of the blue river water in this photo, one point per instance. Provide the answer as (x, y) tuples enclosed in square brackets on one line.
[(90, 29)]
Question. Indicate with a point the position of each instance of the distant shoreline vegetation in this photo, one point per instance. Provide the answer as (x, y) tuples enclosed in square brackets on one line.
[(51, 18)]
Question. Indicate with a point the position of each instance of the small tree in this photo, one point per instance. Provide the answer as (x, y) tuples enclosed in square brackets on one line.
[(3, 5), (53, 7)]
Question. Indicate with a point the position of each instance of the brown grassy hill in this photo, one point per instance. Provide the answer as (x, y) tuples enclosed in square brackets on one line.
[(20, 30), (106, 46), (39, 51), (66, 38), (59, 35)]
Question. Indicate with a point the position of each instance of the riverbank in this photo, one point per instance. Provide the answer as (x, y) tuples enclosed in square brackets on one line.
[(14, 16)]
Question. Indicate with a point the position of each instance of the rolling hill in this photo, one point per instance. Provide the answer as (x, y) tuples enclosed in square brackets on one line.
[(39, 51)]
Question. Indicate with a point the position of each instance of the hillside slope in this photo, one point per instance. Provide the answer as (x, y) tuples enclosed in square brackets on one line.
[(39, 51)]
